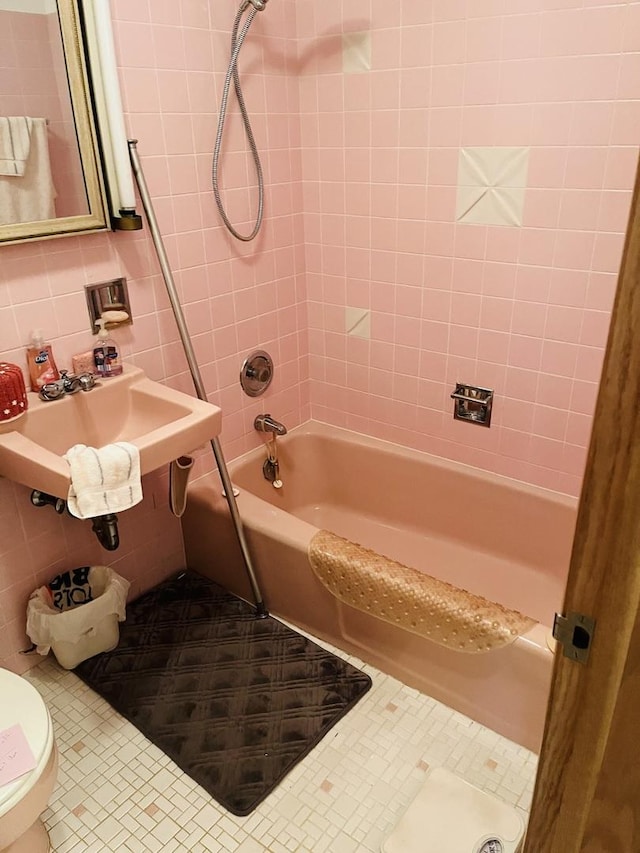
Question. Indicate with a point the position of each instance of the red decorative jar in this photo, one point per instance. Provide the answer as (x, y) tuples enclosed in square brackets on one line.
[(13, 395)]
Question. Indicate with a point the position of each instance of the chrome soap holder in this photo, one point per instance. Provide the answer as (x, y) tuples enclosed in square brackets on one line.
[(108, 296), (472, 404)]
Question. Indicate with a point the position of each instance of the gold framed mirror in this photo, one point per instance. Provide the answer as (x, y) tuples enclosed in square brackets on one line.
[(47, 128)]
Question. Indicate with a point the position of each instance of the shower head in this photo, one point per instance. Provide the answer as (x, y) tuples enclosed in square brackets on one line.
[(258, 5)]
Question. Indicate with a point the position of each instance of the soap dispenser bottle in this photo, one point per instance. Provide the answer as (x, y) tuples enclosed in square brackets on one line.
[(42, 366), (105, 353)]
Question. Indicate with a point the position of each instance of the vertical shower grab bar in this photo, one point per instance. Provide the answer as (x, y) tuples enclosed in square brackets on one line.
[(172, 292)]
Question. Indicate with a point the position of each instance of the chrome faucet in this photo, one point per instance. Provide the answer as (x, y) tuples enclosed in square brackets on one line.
[(265, 423), (67, 385), (81, 382)]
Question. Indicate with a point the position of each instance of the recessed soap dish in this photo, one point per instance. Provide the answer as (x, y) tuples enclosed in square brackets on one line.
[(473, 404), (108, 296)]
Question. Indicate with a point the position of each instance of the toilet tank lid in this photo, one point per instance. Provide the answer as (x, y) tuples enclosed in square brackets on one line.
[(20, 703)]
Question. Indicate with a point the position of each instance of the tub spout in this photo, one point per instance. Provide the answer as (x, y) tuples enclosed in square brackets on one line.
[(265, 423)]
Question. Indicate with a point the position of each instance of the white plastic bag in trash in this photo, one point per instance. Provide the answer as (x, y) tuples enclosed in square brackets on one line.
[(73, 629)]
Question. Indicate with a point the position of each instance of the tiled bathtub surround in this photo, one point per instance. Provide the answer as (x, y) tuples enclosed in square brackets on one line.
[(513, 292)]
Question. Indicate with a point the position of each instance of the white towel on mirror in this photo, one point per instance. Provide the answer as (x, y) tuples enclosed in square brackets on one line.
[(103, 480), (30, 197), (15, 143)]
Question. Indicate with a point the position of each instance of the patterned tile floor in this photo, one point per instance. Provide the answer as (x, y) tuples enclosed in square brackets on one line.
[(118, 792)]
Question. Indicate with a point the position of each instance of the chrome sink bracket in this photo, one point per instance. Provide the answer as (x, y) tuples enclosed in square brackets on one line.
[(472, 404)]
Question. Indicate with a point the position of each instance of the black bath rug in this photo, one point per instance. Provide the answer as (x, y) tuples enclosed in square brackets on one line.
[(234, 700)]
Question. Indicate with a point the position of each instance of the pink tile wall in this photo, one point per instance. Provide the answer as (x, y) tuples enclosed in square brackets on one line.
[(523, 310), (236, 297)]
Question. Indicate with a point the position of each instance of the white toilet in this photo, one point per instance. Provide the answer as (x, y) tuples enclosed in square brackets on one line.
[(23, 800)]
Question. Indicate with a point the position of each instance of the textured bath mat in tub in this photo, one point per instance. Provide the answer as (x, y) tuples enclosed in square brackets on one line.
[(235, 701)]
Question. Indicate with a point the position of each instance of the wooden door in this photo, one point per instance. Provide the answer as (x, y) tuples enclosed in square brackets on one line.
[(587, 794)]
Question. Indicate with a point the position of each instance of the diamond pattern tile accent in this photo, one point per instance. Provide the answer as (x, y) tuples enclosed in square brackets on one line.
[(357, 322), (491, 185), (356, 52)]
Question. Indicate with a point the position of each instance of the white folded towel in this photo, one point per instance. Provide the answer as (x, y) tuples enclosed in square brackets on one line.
[(15, 144), (103, 480), (27, 196)]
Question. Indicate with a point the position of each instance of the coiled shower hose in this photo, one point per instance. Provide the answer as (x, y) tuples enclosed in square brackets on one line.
[(237, 40)]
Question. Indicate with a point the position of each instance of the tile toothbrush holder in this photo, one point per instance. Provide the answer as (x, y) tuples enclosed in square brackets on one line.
[(472, 404)]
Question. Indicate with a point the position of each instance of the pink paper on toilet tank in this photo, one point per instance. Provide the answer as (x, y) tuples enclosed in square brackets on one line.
[(16, 757)]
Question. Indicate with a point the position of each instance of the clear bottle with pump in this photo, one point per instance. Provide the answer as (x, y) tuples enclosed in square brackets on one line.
[(106, 354)]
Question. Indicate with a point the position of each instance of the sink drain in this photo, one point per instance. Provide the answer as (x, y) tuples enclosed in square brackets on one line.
[(491, 845)]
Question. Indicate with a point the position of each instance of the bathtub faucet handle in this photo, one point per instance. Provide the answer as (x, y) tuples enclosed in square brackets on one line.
[(265, 423)]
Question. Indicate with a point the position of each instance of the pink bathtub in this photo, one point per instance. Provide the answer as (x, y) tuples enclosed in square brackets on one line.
[(492, 536)]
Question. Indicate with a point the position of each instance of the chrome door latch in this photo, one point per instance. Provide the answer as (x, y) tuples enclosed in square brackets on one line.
[(574, 632)]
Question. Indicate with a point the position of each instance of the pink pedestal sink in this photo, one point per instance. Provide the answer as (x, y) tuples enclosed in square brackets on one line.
[(163, 424)]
